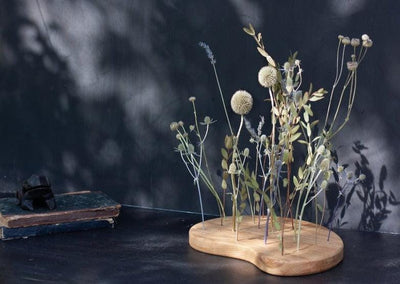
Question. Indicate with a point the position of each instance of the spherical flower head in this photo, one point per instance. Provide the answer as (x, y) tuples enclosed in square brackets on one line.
[(267, 76), (241, 102)]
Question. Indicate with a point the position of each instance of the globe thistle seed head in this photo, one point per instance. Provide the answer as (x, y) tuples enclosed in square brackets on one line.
[(355, 42), (267, 76), (241, 102)]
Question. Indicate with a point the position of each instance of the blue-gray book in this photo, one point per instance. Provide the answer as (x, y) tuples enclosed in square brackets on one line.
[(31, 231)]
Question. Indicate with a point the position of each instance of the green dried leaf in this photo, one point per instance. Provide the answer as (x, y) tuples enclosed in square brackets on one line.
[(224, 164), (307, 108), (300, 173), (224, 154), (306, 117), (294, 129), (302, 142), (249, 30), (315, 99), (295, 181), (294, 137), (308, 130)]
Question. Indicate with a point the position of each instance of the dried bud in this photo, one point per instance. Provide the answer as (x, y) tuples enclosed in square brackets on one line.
[(286, 66), (180, 123), (324, 184), (340, 37), (321, 149), (241, 102), (365, 37), (228, 142), (355, 42), (174, 126), (324, 165), (346, 40), (297, 62), (352, 65), (192, 99), (224, 185), (367, 43), (267, 76), (362, 177), (246, 152), (350, 175), (207, 120), (232, 169), (340, 169), (191, 127)]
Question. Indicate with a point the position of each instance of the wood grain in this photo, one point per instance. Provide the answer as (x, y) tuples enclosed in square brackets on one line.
[(315, 254)]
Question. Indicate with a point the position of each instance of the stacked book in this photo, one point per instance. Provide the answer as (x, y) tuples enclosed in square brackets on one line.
[(75, 211)]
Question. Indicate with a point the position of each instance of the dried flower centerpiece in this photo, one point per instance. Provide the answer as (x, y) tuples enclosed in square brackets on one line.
[(269, 192)]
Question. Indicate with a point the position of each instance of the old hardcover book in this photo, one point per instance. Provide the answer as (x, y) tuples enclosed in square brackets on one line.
[(71, 207), (39, 230)]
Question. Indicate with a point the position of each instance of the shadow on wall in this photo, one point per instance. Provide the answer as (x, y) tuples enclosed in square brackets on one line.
[(53, 119), (375, 203)]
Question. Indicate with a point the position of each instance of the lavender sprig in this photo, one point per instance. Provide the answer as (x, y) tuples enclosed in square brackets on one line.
[(209, 52)]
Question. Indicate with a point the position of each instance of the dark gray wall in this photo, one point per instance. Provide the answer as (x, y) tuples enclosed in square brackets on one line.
[(88, 89)]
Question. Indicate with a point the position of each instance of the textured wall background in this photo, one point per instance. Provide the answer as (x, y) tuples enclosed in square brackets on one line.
[(88, 89)]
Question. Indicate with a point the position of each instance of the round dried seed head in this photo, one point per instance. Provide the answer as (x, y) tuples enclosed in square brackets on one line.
[(241, 102), (267, 76)]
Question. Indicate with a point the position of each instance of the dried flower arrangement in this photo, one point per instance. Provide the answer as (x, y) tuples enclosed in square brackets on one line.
[(271, 183)]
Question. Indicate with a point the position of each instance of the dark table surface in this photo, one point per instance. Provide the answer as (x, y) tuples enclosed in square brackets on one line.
[(151, 246)]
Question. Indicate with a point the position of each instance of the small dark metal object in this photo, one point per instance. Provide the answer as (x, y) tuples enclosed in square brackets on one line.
[(36, 192)]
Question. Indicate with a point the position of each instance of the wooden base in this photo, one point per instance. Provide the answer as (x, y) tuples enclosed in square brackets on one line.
[(315, 254)]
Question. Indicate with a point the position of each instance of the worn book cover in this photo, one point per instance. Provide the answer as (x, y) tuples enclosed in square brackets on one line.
[(39, 230), (71, 207)]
